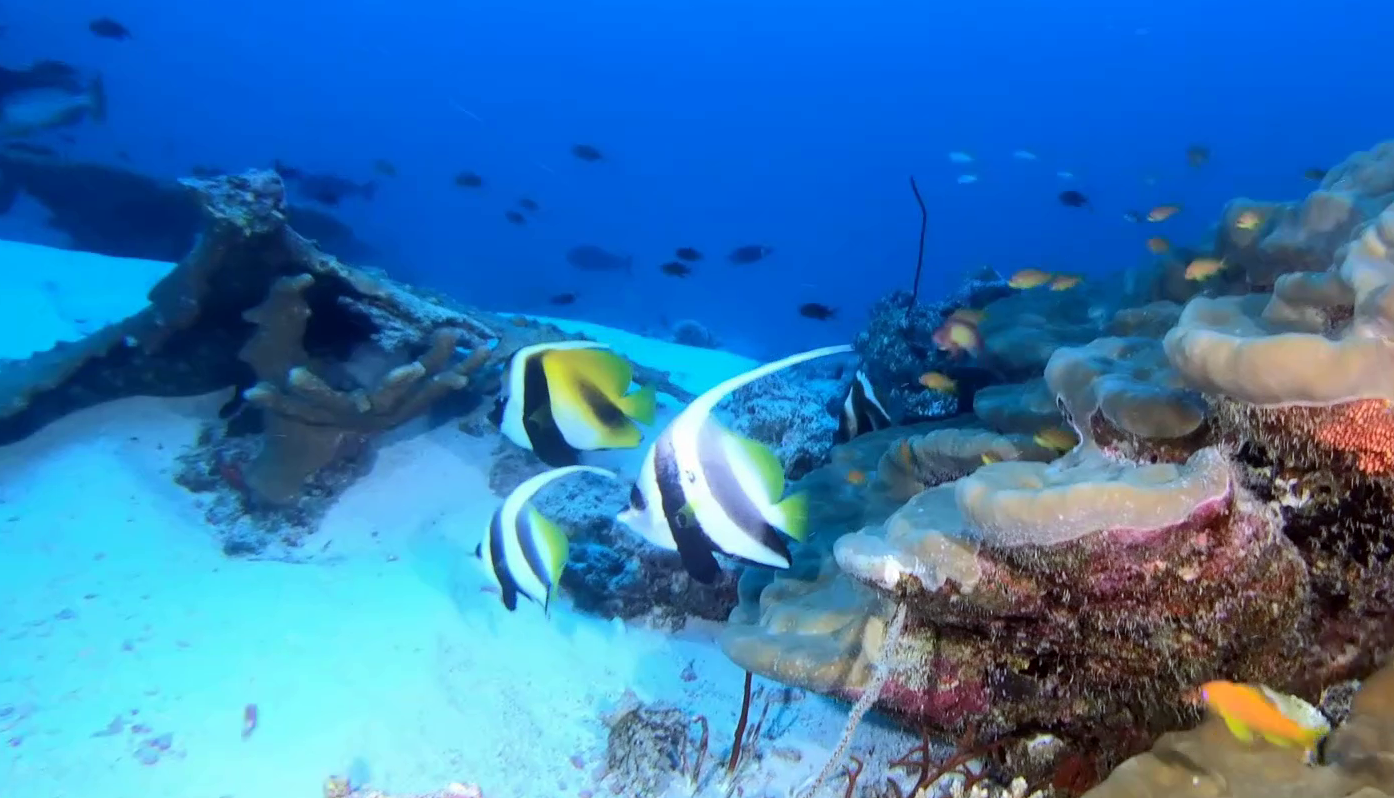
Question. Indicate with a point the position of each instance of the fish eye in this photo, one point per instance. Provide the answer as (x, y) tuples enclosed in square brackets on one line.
[(636, 499)]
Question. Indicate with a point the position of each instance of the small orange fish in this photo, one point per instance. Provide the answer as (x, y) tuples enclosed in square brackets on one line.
[(956, 336), (856, 477), (1204, 268), (906, 457), (1163, 212), (1056, 438), (1157, 245), (1029, 278), (1248, 712), (1064, 282), (1248, 220), (969, 315), (937, 381)]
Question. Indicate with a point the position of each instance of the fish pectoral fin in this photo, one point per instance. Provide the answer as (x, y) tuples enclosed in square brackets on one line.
[(763, 461), (642, 405), (552, 546), (602, 367), (791, 516)]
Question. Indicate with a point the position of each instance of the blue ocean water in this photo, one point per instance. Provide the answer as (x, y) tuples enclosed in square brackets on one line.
[(723, 123)]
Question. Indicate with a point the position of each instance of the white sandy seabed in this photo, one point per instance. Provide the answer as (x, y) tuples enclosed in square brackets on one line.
[(130, 645)]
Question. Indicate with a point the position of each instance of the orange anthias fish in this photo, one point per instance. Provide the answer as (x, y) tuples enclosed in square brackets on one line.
[(1248, 713), (1204, 268), (969, 315), (1157, 245), (1029, 278), (1057, 439), (957, 335), (1163, 212), (1064, 282), (856, 477), (937, 381), (1248, 220)]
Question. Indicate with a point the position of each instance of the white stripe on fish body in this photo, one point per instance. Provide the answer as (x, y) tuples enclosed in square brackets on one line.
[(870, 392), (650, 523), (684, 431), (515, 504), (511, 424)]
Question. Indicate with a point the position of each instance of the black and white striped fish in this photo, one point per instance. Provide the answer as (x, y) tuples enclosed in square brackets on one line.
[(862, 411), (704, 489), (523, 550)]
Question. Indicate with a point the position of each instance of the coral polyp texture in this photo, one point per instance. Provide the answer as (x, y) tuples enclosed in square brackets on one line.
[(1224, 508)]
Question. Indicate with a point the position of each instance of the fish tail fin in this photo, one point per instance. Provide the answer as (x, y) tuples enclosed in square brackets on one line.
[(642, 405), (791, 516), (552, 545), (96, 97)]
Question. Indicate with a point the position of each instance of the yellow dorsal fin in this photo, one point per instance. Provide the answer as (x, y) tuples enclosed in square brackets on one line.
[(551, 543), (601, 367)]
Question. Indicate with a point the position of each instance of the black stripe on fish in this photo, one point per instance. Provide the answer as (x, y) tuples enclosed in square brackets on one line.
[(508, 588), (609, 416), (693, 546), (527, 539), (731, 496), (547, 441)]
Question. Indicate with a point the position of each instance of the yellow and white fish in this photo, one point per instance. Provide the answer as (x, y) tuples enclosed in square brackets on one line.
[(567, 397), (704, 489), (523, 551)]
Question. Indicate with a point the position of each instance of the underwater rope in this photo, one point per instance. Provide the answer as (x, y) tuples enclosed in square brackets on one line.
[(881, 672), (919, 258)]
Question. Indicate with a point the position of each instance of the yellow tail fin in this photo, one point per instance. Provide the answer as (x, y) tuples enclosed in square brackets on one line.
[(793, 516), (642, 405)]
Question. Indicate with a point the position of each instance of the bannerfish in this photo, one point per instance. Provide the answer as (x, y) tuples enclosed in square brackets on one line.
[(567, 397), (862, 411), (704, 489), (590, 258), (36, 108), (523, 550)]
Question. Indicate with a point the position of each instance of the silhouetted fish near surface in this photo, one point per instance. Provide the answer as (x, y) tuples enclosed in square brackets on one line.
[(562, 299), (586, 152), (1197, 155), (1074, 199), (816, 311), (750, 253), (515, 217), (62, 103), (527, 204), (108, 28), (688, 254), (325, 189), (1315, 174), (590, 258), (675, 268), (468, 180), (385, 167)]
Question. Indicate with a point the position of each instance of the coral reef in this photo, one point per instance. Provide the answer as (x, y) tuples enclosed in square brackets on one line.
[(1358, 759), (1225, 511), (790, 414), (118, 212)]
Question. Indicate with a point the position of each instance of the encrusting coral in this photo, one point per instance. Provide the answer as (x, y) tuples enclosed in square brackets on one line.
[(307, 419)]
